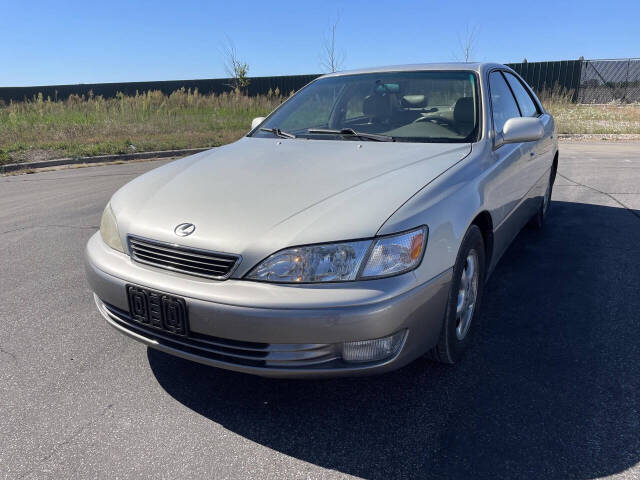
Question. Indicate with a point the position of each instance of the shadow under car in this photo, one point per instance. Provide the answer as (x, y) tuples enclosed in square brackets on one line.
[(551, 388)]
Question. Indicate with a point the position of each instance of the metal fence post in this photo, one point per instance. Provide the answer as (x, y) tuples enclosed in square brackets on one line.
[(626, 83)]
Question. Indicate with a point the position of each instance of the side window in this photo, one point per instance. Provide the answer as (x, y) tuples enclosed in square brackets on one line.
[(504, 105), (527, 106)]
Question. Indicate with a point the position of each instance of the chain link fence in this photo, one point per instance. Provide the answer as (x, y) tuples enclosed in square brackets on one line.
[(561, 76), (257, 86), (584, 81), (607, 81)]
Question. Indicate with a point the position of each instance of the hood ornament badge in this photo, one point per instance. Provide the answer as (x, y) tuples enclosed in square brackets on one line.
[(184, 229)]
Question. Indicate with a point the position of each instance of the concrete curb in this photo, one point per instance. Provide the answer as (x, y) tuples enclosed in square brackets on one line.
[(101, 158), (12, 167)]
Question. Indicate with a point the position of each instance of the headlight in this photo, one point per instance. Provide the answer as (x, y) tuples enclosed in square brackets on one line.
[(109, 229), (338, 262)]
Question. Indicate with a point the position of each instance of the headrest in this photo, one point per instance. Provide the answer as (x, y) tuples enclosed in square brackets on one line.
[(414, 101), (377, 106), (463, 111)]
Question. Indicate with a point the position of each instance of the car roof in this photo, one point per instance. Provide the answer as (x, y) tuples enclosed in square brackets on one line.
[(474, 66)]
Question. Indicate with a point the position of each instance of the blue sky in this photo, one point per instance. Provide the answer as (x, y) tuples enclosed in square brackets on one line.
[(45, 42)]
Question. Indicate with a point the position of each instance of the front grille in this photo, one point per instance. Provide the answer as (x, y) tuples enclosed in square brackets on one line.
[(272, 355), (192, 261)]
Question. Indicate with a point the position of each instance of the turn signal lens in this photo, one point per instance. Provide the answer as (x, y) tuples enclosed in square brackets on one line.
[(416, 246), (395, 254)]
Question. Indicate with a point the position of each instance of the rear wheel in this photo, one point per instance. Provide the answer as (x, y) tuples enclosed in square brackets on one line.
[(537, 221), (464, 299)]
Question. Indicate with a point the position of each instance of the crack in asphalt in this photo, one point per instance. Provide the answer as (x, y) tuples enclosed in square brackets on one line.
[(67, 441), (7, 352), (75, 177), (79, 227), (633, 212)]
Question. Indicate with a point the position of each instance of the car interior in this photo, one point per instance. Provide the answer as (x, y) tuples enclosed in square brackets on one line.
[(388, 111), (408, 106)]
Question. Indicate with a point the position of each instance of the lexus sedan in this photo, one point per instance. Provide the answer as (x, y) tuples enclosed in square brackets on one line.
[(349, 232)]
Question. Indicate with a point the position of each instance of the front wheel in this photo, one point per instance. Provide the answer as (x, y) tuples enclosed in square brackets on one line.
[(464, 299)]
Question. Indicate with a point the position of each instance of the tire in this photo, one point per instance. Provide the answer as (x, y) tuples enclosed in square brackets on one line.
[(457, 331), (537, 221)]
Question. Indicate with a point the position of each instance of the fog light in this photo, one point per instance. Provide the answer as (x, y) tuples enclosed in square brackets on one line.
[(372, 350)]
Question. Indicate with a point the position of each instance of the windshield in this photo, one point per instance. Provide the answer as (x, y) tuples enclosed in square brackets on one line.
[(419, 106)]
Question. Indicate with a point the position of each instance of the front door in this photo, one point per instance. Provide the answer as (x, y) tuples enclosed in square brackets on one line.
[(512, 170)]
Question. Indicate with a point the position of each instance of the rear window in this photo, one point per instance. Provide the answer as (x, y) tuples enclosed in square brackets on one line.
[(527, 106)]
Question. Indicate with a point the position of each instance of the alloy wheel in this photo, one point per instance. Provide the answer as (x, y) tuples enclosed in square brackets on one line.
[(467, 295)]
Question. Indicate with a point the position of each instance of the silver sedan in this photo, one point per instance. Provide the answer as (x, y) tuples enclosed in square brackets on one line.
[(350, 232)]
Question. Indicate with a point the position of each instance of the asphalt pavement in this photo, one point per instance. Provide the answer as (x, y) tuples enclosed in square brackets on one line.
[(551, 389)]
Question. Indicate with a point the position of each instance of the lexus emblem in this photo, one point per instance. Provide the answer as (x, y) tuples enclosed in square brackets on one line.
[(184, 229)]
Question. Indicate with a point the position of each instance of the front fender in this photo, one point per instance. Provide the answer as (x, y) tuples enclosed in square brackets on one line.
[(447, 205)]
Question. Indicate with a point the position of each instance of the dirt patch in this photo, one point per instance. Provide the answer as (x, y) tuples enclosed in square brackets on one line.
[(597, 137), (36, 155)]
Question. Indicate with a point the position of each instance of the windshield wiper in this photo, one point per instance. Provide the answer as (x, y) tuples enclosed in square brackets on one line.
[(278, 133), (352, 133)]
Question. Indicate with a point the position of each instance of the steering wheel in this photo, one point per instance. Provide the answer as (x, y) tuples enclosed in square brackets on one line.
[(438, 120)]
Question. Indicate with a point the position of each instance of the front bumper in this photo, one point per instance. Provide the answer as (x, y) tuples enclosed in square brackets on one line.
[(275, 330)]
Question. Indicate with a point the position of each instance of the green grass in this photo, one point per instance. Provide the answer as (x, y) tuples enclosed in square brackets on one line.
[(590, 119), (41, 128), (78, 126), (596, 119)]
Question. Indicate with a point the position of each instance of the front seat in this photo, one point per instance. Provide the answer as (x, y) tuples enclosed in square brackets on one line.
[(377, 107), (464, 115)]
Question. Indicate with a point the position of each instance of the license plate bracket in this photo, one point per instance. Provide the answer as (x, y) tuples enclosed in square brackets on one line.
[(158, 310)]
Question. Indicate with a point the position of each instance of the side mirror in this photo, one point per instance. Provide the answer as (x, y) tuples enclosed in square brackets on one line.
[(256, 121), (522, 129)]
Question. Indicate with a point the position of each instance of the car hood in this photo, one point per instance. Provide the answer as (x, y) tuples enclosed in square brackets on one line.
[(257, 196)]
